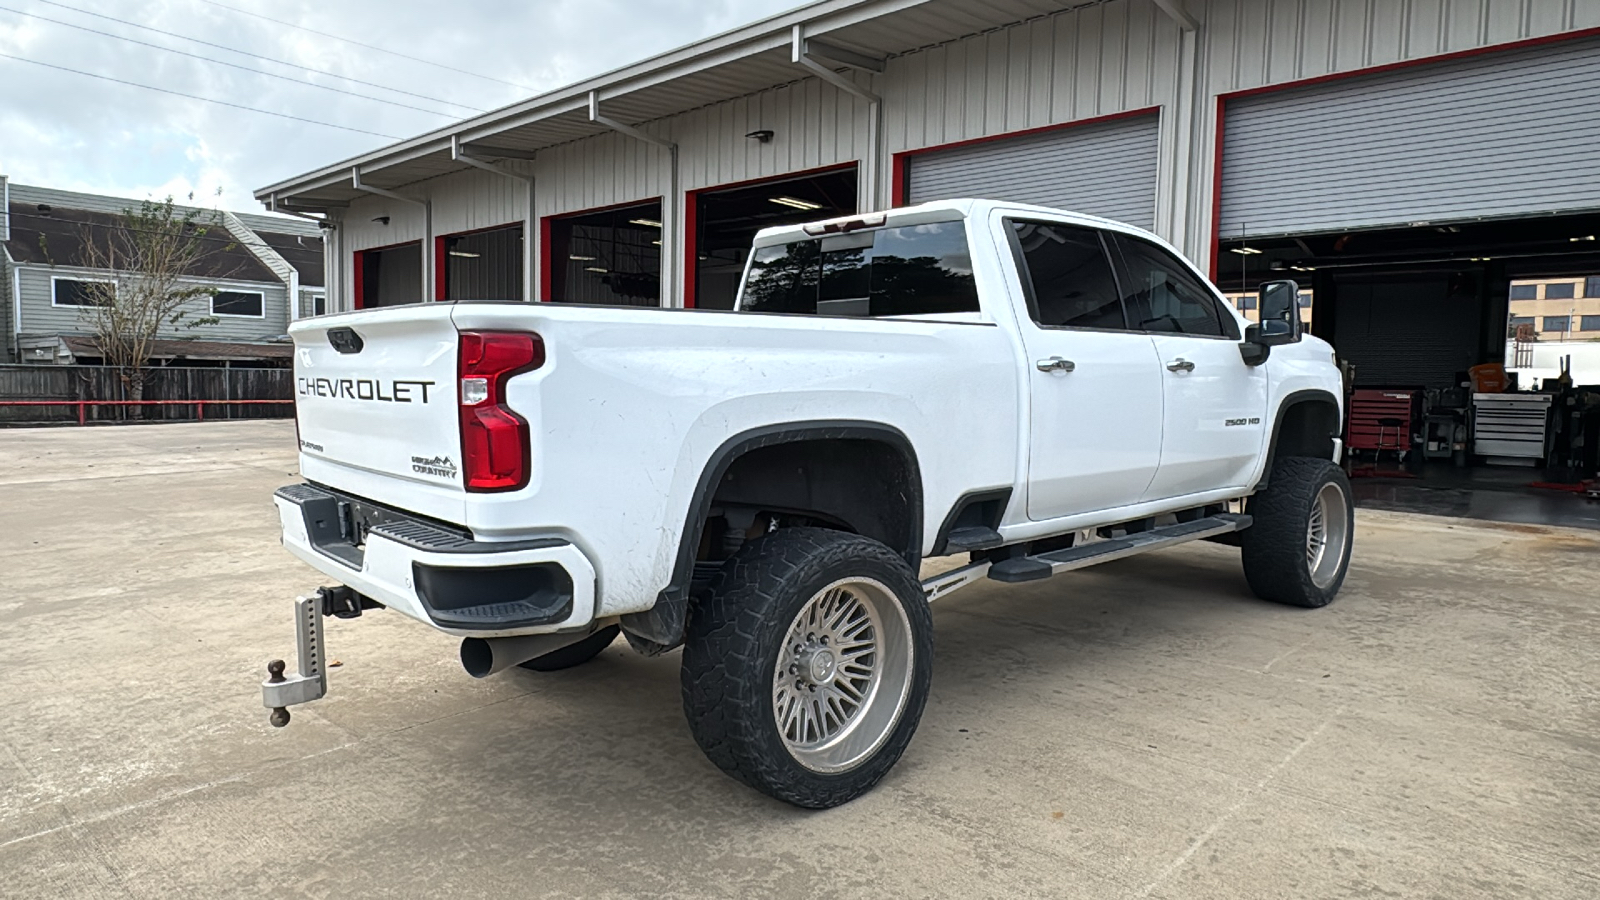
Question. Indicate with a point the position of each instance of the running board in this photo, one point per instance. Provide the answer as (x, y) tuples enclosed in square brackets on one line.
[(1037, 568)]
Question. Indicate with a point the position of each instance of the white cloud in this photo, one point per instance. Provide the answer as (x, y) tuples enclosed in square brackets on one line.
[(69, 131)]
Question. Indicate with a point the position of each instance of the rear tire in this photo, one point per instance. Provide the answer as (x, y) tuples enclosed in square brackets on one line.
[(574, 654), (807, 665), (1297, 550)]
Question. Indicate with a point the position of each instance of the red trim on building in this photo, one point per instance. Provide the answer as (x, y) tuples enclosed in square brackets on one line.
[(1223, 98), (546, 276), (440, 288), (691, 240), (358, 269), (691, 215), (900, 163)]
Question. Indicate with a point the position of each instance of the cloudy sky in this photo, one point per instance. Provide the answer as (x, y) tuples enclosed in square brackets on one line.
[(77, 132)]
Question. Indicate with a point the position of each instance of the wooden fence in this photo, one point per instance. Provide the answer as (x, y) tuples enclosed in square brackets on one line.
[(25, 382)]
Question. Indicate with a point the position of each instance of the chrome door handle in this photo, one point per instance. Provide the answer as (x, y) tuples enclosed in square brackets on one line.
[(1056, 364), (1180, 365)]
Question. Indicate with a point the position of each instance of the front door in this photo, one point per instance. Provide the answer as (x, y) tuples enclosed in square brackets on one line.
[(1095, 385), (1215, 405)]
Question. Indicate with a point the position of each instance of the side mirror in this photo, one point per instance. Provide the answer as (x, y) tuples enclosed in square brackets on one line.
[(1279, 302)]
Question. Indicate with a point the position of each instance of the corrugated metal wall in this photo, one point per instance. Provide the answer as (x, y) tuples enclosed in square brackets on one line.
[(1251, 43), (1091, 61), (1493, 134), (1104, 169)]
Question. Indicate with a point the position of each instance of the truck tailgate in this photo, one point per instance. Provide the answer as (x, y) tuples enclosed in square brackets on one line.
[(375, 397)]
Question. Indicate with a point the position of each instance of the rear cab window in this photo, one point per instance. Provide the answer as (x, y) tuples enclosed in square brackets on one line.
[(921, 270)]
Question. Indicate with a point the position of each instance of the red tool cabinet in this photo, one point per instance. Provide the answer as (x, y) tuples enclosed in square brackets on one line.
[(1382, 419)]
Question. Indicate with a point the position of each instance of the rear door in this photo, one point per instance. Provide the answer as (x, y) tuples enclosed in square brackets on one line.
[(1215, 405), (375, 400), (1095, 385)]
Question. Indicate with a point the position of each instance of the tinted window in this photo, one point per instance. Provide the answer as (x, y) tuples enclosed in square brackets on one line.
[(1068, 275), (82, 293), (912, 270), (1524, 292), (1161, 294), (1591, 286), (1561, 291), (1589, 323), (236, 303), (1556, 323)]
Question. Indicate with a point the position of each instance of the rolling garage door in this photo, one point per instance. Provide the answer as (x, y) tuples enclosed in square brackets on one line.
[(1500, 134), (1104, 169)]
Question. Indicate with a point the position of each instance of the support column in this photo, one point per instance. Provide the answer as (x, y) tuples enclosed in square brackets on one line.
[(671, 213), (530, 243), (810, 55), (427, 227)]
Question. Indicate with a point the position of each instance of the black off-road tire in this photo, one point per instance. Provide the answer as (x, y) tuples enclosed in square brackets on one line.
[(574, 654), (1275, 548), (738, 630)]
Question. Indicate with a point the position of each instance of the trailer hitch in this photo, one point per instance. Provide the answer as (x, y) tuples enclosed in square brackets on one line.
[(279, 692)]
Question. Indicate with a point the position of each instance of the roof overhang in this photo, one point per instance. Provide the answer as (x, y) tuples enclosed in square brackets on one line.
[(849, 33)]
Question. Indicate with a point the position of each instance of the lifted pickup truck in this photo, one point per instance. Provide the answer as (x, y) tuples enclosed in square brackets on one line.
[(1039, 390)]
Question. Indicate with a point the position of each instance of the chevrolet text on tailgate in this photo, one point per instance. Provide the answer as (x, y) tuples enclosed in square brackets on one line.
[(1034, 390)]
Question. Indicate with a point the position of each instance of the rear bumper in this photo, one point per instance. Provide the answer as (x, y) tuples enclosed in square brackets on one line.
[(436, 574)]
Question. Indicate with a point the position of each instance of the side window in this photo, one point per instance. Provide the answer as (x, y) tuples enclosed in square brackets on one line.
[(1161, 294), (1068, 276), (908, 271)]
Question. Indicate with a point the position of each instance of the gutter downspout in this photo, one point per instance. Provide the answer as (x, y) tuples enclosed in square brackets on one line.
[(672, 224), (427, 226), (530, 242), (800, 54), (330, 261)]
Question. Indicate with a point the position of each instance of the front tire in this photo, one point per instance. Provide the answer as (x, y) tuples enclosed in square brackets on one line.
[(1297, 550), (806, 667)]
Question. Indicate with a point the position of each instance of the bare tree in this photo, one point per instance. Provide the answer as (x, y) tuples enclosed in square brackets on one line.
[(152, 254)]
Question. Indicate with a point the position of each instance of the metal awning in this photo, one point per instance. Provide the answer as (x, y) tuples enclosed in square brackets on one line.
[(754, 58)]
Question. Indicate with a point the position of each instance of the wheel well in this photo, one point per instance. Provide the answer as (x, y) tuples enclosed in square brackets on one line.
[(1306, 426), (860, 477), (863, 486)]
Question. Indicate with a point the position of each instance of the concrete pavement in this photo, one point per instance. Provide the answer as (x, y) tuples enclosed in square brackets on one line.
[(1145, 729)]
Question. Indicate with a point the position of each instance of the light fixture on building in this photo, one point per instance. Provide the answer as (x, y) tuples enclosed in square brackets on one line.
[(1300, 268), (464, 254), (765, 135), (1244, 251), (576, 258), (795, 203), (648, 223), (656, 243), (381, 220), (1587, 237), (597, 270)]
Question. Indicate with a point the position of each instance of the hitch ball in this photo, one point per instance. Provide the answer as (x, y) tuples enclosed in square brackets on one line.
[(279, 716)]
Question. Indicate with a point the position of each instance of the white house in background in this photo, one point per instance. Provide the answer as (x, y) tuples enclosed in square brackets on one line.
[(267, 271)]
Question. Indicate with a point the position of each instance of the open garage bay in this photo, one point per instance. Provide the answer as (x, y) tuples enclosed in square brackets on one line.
[(1145, 729)]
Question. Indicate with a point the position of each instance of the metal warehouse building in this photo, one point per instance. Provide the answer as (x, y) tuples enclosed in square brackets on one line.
[(1404, 159)]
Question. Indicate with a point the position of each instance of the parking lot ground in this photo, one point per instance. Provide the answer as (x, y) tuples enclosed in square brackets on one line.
[(1143, 729)]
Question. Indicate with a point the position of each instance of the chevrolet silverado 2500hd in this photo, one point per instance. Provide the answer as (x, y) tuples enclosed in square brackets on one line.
[(1038, 390)]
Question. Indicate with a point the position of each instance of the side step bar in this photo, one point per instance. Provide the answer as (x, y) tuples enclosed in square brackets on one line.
[(1036, 568)]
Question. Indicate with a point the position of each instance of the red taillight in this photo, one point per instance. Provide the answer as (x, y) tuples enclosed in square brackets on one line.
[(495, 455)]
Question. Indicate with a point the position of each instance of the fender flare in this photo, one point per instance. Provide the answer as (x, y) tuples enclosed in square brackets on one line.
[(1292, 399), (663, 623)]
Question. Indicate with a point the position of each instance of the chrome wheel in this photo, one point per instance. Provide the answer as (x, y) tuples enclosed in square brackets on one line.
[(1327, 535), (843, 675)]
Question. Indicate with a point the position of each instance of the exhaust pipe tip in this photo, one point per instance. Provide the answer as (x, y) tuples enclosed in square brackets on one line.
[(477, 657)]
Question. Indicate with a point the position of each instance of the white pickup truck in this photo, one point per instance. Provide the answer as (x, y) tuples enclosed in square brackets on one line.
[(1039, 390)]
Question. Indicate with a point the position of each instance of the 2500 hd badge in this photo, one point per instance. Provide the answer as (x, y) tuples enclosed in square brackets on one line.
[(363, 389)]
